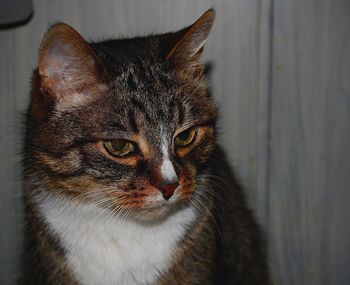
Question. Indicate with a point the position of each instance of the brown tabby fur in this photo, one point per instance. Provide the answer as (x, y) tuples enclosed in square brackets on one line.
[(128, 86)]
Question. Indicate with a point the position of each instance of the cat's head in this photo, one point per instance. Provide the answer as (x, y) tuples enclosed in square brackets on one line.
[(125, 124)]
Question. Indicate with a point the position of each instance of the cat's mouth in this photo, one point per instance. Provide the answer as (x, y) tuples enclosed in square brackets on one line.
[(154, 206), (156, 202), (158, 212)]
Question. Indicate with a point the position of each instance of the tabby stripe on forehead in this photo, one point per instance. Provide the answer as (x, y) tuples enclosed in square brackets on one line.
[(181, 113), (131, 82), (132, 122), (118, 126), (140, 106)]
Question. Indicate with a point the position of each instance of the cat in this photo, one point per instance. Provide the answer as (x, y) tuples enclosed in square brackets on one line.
[(124, 182)]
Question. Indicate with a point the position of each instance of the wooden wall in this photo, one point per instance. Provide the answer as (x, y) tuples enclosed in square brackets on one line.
[(281, 76), (309, 181)]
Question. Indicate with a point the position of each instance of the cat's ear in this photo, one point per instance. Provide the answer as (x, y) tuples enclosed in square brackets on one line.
[(68, 67), (186, 46)]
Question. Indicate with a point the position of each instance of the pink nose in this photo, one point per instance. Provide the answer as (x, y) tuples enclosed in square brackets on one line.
[(167, 189)]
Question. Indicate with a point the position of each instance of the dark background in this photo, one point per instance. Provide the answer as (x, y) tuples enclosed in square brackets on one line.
[(281, 76)]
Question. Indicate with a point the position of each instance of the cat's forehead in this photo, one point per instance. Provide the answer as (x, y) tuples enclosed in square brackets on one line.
[(148, 94), (147, 97), (135, 65), (146, 110), (154, 111), (149, 80)]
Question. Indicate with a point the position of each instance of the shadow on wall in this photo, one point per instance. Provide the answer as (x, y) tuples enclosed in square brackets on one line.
[(15, 13)]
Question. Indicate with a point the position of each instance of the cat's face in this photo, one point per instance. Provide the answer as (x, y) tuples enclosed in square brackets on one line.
[(120, 124)]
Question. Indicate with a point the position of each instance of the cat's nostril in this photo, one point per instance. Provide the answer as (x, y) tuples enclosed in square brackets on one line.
[(168, 189)]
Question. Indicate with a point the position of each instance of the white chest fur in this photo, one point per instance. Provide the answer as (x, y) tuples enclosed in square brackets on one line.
[(106, 251)]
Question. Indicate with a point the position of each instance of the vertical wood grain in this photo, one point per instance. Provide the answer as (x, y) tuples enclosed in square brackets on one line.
[(309, 194), (265, 84), (10, 208)]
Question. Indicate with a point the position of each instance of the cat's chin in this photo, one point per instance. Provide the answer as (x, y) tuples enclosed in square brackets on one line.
[(157, 213)]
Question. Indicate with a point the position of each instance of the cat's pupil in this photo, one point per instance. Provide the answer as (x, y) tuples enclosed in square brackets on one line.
[(184, 135)]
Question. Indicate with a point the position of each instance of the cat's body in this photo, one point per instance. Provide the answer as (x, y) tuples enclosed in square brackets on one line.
[(159, 204)]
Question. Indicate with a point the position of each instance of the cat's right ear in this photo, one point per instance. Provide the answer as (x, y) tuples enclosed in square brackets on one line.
[(184, 49), (68, 67)]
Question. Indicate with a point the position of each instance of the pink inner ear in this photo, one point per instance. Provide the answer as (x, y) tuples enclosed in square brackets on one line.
[(54, 61), (67, 64)]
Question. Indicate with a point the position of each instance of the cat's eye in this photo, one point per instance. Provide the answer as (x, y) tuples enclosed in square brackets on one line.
[(119, 147), (185, 137)]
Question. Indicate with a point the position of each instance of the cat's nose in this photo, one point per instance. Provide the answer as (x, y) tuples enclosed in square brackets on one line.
[(166, 188)]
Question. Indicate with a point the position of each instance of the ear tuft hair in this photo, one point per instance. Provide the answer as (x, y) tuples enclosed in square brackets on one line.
[(187, 49)]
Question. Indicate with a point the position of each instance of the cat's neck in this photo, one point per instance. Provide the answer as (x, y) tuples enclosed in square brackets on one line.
[(102, 248)]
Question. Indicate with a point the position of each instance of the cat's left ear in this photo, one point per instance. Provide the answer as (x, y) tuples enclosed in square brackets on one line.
[(187, 45), (68, 67)]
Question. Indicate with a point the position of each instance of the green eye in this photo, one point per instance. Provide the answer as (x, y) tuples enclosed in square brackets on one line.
[(119, 147), (186, 137)]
